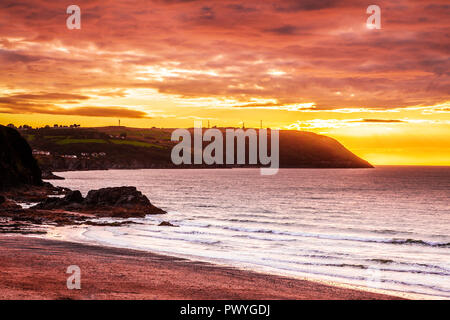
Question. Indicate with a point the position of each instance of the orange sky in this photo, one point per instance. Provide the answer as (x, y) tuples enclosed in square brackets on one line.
[(308, 65)]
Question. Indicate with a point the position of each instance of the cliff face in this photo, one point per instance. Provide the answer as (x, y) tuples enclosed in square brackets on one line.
[(310, 150), (17, 165)]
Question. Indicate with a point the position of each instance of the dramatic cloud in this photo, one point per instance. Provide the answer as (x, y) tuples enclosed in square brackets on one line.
[(288, 52), (45, 103)]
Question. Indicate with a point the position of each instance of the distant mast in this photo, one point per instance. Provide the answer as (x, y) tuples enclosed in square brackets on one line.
[(119, 122)]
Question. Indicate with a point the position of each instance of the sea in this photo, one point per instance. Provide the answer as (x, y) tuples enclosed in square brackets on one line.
[(384, 229)]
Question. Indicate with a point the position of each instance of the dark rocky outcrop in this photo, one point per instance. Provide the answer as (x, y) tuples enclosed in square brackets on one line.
[(121, 197), (71, 201), (17, 165), (74, 197), (13, 217), (7, 204), (166, 224), (121, 202), (29, 193), (48, 175), (21, 181)]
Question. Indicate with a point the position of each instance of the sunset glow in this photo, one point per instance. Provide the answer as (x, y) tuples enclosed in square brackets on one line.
[(299, 65)]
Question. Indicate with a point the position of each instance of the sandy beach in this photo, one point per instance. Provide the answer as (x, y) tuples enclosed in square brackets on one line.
[(33, 268)]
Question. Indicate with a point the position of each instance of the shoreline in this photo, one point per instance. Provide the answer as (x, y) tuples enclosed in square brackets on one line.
[(35, 268), (77, 238)]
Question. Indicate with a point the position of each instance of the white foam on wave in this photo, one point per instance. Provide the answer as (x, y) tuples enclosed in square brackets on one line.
[(336, 227)]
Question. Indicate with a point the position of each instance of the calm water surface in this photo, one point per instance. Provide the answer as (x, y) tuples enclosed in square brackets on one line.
[(387, 228)]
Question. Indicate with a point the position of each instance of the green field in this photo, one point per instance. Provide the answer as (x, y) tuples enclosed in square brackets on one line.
[(133, 143), (137, 143), (72, 141)]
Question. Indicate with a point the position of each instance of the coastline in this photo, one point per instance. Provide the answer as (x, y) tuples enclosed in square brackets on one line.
[(35, 268), (75, 236), (154, 247)]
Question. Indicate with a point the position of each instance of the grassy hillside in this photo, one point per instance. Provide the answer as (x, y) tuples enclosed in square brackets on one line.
[(121, 147)]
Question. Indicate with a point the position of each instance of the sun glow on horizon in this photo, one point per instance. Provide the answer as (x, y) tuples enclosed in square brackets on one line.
[(310, 67)]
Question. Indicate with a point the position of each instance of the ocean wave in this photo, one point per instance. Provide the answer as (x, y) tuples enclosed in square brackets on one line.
[(397, 241), (357, 266), (247, 236), (157, 236), (420, 242)]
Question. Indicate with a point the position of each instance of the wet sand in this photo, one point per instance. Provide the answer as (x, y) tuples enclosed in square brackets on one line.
[(34, 268)]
